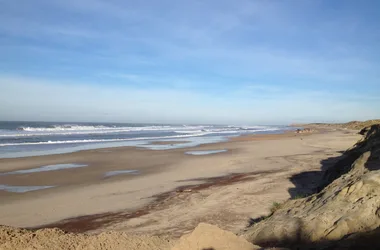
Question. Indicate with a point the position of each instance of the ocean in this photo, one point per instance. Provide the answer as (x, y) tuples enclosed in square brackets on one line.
[(21, 139)]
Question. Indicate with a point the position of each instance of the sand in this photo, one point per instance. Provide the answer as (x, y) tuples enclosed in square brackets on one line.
[(207, 236), (204, 237), (55, 239), (172, 192)]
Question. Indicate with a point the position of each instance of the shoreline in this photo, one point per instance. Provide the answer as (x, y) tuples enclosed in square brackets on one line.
[(172, 168), (76, 158), (246, 137), (50, 159), (156, 144)]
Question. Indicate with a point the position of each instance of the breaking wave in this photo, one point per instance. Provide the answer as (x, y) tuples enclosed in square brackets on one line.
[(98, 140), (93, 130), (35, 135), (81, 130)]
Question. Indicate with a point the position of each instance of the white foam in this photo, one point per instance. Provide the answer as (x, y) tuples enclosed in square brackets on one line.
[(100, 140), (191, 142), (46, 168), (118, 172), (82, 130), (75, 129), (205, 152), (194, 135), (231, 130), (63, 127), (22, 189), (189, 131)]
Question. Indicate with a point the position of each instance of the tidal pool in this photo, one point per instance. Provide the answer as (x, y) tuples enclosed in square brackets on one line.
[(22, 189), (205, 152), (118, 172), (46, 168)]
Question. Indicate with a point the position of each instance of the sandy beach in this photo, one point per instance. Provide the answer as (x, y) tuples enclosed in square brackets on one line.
[(167, 191)]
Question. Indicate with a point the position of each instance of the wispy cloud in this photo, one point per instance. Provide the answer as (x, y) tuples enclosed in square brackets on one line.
[(225, 52)]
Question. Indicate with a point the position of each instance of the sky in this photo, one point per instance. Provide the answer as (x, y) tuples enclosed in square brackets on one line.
[(193, 61)]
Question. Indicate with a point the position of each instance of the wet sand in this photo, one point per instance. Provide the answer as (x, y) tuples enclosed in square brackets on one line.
[(171, 192)]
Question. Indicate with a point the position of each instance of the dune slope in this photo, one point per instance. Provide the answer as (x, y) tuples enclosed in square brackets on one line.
[(346, 211)]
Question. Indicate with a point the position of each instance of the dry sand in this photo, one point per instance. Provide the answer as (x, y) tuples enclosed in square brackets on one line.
[(173, 192), (204, 237), (55, 239)]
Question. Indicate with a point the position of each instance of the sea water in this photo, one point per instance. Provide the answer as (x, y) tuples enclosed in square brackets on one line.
[(120, 172), (22, 189), (20, 139), (205, 152), (46, 168)]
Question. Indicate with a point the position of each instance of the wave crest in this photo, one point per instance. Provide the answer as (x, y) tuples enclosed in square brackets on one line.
[(63, 128), (98, 140)]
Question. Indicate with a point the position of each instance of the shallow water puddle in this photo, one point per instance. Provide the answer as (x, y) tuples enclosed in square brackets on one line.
[(205, 152), (47, 168), (22, 189), (118, 172)]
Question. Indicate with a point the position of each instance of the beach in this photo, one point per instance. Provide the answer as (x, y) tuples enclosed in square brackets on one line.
[(166, 191), (189, 125)]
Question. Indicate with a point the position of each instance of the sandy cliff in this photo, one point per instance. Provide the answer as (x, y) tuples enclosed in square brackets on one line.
[(345, 213), (355, 125)]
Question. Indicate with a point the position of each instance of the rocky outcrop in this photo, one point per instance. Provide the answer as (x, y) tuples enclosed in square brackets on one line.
[(347, 206)]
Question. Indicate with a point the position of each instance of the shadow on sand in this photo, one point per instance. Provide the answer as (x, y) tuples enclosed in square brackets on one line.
[(367, 240)]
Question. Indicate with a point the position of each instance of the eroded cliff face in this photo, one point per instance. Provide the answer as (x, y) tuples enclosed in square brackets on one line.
[(344, 214)]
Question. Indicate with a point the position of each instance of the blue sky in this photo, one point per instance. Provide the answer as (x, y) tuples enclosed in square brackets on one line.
[(176, 61)]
